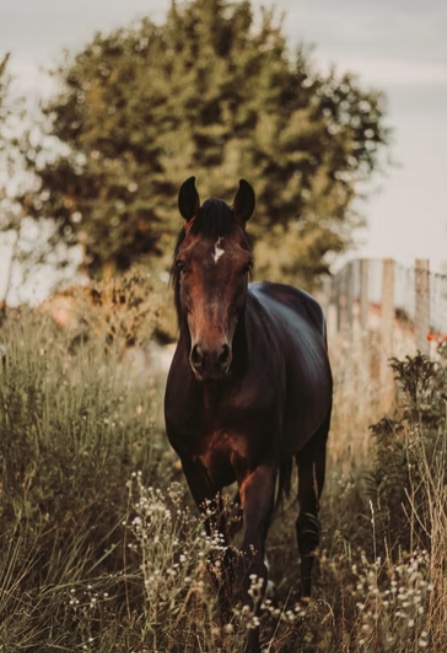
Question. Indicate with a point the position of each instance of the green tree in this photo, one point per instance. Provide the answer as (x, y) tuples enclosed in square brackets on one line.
[(20, 247), (207, 93), (9, 211), (4, 81)]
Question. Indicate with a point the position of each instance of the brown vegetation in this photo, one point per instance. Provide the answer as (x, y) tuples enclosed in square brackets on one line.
[(100, 551)]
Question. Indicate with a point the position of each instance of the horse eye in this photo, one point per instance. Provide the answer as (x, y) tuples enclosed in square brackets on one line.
[(246, 269), (180, 265)]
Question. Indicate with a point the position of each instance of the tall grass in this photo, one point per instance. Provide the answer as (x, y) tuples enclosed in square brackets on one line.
[(71, 432), (101, 550)]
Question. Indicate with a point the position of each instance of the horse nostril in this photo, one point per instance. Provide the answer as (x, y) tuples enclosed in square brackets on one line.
[(196, 357), (212, 361), (224, 356)]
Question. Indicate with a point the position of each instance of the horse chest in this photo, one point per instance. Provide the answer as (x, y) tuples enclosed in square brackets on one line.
[(222, 436), (222, 448), (225, 457)]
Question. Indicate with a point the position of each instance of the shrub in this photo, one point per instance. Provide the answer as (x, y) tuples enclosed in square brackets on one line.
[(408, 482), (125, 311)]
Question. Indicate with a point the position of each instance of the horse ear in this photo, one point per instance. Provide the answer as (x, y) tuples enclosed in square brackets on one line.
[(244, 202), (188, 199)]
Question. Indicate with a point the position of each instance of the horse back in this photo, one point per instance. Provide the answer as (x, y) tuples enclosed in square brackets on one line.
[(296, 300), (297, 323)]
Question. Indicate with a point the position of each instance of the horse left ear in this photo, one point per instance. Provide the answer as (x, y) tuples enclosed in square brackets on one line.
[(188, 199), (244, 202)]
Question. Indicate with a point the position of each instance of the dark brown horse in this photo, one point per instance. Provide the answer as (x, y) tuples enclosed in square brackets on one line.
[(250, 387)]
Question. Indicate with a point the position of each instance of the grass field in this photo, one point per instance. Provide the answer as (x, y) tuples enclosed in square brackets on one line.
[(101, 549)]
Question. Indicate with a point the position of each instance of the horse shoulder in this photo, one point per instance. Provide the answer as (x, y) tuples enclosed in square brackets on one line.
[(297, 300)]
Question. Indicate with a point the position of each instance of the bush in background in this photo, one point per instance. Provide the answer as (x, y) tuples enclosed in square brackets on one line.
[(129, 310)]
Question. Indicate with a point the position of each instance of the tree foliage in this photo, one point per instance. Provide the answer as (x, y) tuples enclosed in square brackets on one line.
[(215, 93), (3, 86), (8, 218), (5, 114)]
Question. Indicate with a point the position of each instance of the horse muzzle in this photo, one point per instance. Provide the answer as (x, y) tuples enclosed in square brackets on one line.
[(210, 363)]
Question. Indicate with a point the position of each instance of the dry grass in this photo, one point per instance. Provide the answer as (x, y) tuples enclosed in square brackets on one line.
[(100, 552)]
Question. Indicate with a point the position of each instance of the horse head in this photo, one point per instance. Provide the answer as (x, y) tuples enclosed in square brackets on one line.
[(212, 262)]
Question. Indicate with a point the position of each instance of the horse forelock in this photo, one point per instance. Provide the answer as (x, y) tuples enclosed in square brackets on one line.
[(215, 219)]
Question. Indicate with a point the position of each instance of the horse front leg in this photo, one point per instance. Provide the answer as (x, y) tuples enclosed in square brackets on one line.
[(257, 490), (206, 494), (208, 498)]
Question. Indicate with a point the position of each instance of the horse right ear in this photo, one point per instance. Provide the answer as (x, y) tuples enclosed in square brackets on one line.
[(244, 202), (188, 199)]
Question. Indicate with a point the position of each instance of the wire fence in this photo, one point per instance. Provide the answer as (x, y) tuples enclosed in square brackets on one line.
[(386, 296), (377, 310)]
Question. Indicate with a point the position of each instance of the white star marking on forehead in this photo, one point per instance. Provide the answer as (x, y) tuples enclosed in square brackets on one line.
[(218, 250)]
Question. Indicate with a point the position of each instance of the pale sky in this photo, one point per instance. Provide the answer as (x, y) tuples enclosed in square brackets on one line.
[(399, 46)]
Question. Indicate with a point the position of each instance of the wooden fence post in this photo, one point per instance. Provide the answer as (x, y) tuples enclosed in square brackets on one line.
[(422, 304), (387, 328), (328, 302), (350, 298), (342, 292), (364, 299)]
